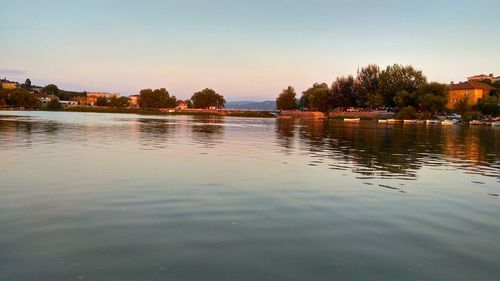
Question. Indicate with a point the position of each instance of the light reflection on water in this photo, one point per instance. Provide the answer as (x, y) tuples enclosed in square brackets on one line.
[(130, 197)]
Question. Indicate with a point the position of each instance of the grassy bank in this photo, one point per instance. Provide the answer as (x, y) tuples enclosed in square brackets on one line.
[(151, 111)]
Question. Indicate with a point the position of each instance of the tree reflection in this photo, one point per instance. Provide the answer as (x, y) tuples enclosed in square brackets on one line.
[(285, 129), (154, 133), (207, 130), (374, 150)]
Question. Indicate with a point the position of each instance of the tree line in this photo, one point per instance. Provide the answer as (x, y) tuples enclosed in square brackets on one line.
[(160, 98), (402, 88)]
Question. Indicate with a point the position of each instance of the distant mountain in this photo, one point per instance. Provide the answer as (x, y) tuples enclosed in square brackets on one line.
[(255, 105)]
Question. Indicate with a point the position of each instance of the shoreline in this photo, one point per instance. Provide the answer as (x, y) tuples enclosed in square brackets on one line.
[(143, 111)]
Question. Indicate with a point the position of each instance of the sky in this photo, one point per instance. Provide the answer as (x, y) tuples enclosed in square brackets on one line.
[(245, 50)]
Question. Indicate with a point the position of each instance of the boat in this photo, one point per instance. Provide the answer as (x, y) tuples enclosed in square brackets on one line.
[(409, 121), (448, 122), (393, 120), (432, 122), (476, 122), (495, 123), (382, 120), (351, 119)]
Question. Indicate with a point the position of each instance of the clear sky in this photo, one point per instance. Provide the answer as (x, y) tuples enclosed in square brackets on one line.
[(246, 50)]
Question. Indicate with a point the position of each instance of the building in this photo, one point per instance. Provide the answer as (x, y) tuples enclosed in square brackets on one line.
[(482, 77), (471, 90), (134, 101), (91, 98), (9, 85)]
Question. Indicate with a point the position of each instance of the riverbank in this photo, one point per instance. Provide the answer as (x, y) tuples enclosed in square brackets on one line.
[(151, 111), (364, 115)]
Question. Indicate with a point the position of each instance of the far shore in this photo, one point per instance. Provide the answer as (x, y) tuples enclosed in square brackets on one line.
[(153, 111)]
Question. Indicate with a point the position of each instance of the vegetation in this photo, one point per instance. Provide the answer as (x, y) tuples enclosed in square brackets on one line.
[(462, 107), (407, 112), (396, 87), (101, 101), (367, 87), (118, 101), (396, 78), (19, 98), (287, 99), (318, 97), (52, 89), (207, 98), (157, 98), (54, 104), (489, 106)]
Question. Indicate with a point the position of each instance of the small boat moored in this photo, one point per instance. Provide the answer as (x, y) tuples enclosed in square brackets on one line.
[(432, 122), (394, 120), (476, 122), (410, 121), (448, 122), (351, 119)]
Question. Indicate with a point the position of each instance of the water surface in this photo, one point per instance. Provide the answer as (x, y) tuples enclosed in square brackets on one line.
[(88, 196)]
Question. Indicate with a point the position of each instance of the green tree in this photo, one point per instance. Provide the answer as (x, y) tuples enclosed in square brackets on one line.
[(118, 101), (404, 98), (286, 100), (207, 98), (396, 78), (490, 105), (407, 112), (157, 98), (54, 104), (343, 92), (432, 97), (463, 107), (27, 84), (318, 97), (101, 101), (51, 89), (22, 98), (367, 87)]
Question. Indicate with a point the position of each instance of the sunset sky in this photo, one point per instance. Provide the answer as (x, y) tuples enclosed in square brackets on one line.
[(245, 50)]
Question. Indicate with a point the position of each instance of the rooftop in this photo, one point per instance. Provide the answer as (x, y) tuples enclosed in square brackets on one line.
[(470, 85)]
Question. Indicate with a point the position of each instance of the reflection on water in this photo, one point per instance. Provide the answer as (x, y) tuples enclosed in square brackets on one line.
[(374, 150), (132, 197)]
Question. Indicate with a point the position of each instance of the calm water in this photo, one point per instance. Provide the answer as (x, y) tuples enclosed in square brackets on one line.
[(127, 197)]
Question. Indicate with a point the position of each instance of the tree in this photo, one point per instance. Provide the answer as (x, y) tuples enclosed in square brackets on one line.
[(407, 112), (157, 98), (462, 106), (51, 89), (54, 104), (343, 92), (396, 78), (118, 101), (404, 98), (101, 101), (432, 97), (207, 98), (27, 84), (22, 98), (490, 105), (286, 100), (367, 87), (318, 97)]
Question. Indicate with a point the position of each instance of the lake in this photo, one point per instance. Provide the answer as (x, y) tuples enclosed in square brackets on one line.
[(87, 196)]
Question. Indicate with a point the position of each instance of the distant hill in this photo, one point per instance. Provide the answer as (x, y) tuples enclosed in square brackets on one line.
[(255, 105)]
